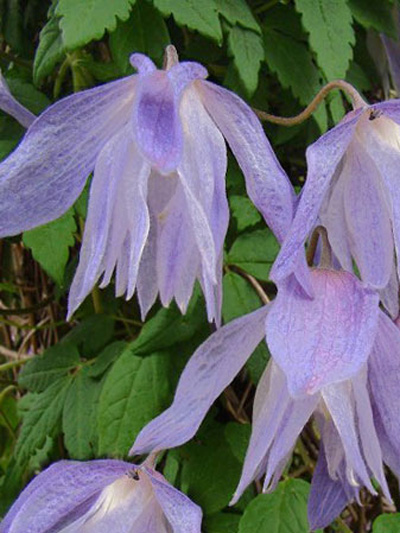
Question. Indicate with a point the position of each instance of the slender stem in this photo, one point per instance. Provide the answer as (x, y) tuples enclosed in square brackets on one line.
[(61, 77), (13, 364), (255, 284), (356, 100), (96, 299), (342, 526), (27, 310), (12, 58)]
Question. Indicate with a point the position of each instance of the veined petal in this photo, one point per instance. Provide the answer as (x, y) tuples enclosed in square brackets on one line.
[(59, 495), (182, 514), (41, 179), (323, 157), (367, 217), (142, 63), (390, 294), (11, 106), (209, 371), (324, 340)]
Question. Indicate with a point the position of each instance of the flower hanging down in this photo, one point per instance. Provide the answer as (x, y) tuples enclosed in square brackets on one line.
[(158, 211), (353, 189), (101, 496), (325, 361)]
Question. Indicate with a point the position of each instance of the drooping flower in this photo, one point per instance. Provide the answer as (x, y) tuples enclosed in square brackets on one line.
[(324, 362), (99, 497), (158, 211), (352, 188)]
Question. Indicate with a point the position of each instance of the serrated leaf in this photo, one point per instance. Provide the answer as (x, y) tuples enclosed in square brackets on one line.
[(387, 523), (79, 419), (105, 359), (42, 370), (282, 511), (50, 244), (135, 391), (238, 12), (50, 50), (41, 418), (145, 31), (85, 20), (202, 17), (222, 523), (291, 61), (210, 471), (244, 212), (91, 334), (376, 15), (247, 50), (331, 34), (254, 252)]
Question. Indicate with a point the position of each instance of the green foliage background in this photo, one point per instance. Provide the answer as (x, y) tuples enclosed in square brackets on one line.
[(84, 389)]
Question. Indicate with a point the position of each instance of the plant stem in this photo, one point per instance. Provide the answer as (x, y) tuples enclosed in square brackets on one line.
[(13, 364)]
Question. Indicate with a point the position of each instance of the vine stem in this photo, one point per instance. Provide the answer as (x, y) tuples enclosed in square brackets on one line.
[(356, 100)]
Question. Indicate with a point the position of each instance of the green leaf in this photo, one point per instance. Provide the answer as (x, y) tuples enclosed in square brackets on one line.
[(244, 212), (283, 511), (254, 252), (92, 334), (145, 31), (331, 34), (79, 419), (222, 523), (292, 63), (50, 50), (238, 437), (238, 12), (106, 358), (135, 391), (42, 370), (247, 50), (40, 418), (28, 95), (50, 244), (387, 523), (201, 17), (85, 20), (210, 471), (376, 15)]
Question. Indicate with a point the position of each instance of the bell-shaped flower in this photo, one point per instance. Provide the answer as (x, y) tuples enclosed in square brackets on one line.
[(158, 211), (325, 354), (352, 188), (101, 496)]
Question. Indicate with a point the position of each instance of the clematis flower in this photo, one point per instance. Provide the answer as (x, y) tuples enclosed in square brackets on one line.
[(158, 212), (101, 496), (327, 355), (352, 188)]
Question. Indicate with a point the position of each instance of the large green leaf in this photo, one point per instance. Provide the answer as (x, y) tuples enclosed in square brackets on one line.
[(376, 15), (282, 511), (91, 334), (85, 20), (331, 34), (50, 244), (200, 16), (387, 523), (238, 12), (222, 523), (246, 47), (145, 31), (244, 212)]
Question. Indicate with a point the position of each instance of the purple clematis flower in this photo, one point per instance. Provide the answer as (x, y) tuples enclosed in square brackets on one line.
[(99, 497), (326, 360), (352, 187), (158, 212)]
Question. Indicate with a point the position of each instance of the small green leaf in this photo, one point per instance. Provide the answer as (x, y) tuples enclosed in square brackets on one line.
[(42, 370), (387, 523), (244, 212), (247, 50), (79, 419), (135, 391), (145, 31), (254, 252), (282, 511), (376, 15), (106, 358), (40, 418), (201, 17), (91, 334), (331, 34), (50, 50), (222, 523), (238, 12), (50, 244), (85, 20)]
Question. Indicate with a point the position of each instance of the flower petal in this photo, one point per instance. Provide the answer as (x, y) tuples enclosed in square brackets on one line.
[(323, 157), (324, 340), (59, 495), (390, 294), (11, 106), (209, 371), (46, 173), (183, 515)]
